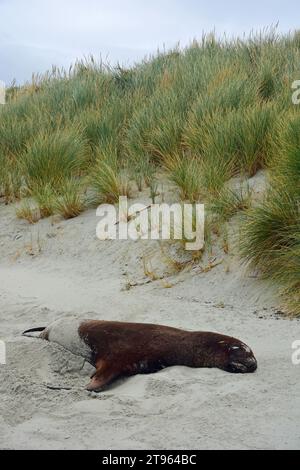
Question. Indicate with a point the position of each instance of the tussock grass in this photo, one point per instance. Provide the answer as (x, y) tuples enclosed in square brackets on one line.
[(28, 211), (52, 157), (185, 173), (229, 202), (285, 151), (271, 231), (288, 276), (215, 172), (238, 137), (108, 183), (270, 241), (143, 172), (11, 181), (230, 94), (70, 203), (266, 228), (45, 196)]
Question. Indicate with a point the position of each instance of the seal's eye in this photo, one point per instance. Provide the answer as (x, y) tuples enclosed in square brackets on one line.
[(234, 348)]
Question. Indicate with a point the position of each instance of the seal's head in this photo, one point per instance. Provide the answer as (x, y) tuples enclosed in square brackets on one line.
[(229, 354), (238, 357)]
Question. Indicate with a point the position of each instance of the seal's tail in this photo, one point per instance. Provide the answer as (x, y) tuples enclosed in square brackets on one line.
[(33, 330)]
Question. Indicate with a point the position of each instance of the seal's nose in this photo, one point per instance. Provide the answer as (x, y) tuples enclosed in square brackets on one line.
[(245, 366), (251, 364)]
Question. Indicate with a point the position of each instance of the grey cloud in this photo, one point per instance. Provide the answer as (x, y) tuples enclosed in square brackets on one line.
[(34, 34)]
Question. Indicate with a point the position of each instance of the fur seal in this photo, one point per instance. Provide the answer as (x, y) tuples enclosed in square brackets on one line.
[(119, 349)]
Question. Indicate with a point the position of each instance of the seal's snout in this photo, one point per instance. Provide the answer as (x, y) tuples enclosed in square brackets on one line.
[(241, 359), (244, 366), (251, 364)]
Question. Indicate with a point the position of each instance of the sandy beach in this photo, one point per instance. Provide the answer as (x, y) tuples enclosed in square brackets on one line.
[(59, 268)]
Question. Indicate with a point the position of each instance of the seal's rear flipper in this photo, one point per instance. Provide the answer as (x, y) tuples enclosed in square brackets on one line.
[(33, 330)]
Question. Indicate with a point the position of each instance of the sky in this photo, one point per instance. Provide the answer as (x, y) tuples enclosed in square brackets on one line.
[(34, 34)]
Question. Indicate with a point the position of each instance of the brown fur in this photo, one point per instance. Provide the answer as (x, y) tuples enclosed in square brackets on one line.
[(125, 349)]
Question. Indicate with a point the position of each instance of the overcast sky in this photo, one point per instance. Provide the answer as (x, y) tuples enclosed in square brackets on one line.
[(34, 34)]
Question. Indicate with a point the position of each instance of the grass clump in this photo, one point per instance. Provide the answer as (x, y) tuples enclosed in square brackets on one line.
[(285, 150), (108, 182), (51, 158), (143, 172), (229, 202), (266, 229), (44, 196), (288, 277), (28, 211), (185, 173), (238, 138), (70, 203), (271, 231), (270, 238), (11, 181)]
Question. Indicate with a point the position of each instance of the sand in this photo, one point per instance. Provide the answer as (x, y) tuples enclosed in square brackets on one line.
[(59, 268)]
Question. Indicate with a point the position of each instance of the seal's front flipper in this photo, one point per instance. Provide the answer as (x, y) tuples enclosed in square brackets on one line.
[(99, 381), (104, 375)]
